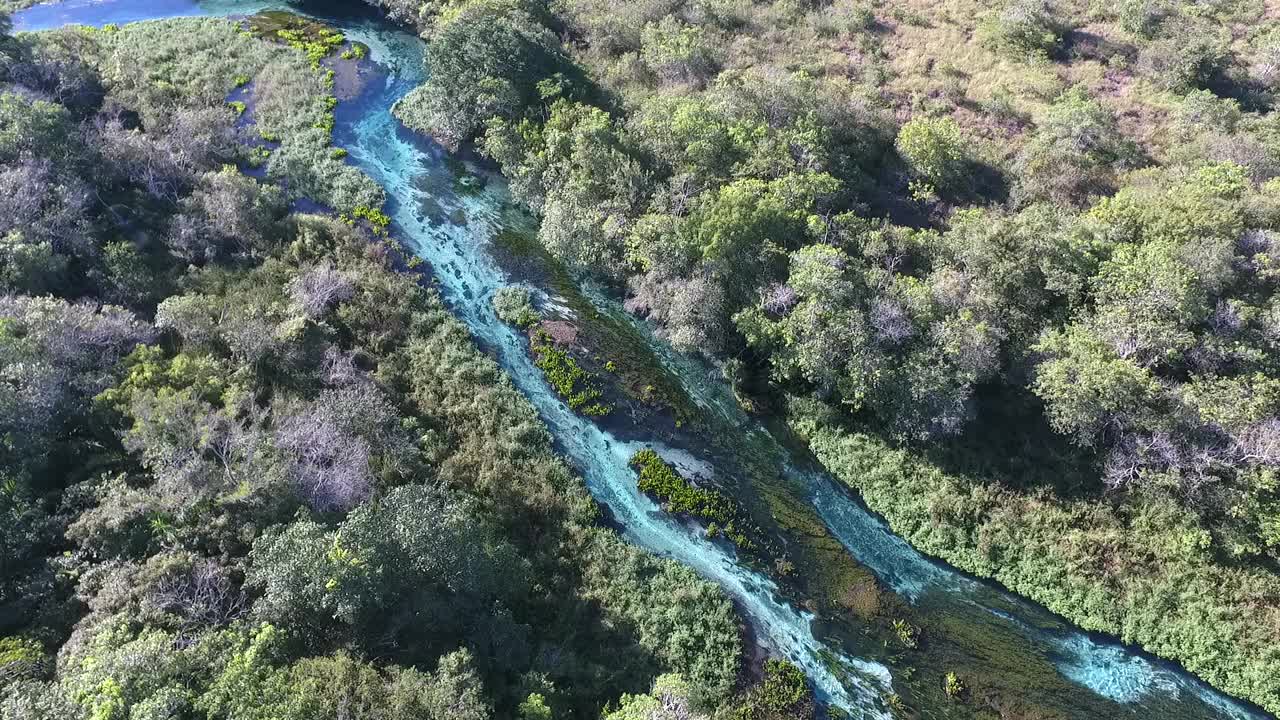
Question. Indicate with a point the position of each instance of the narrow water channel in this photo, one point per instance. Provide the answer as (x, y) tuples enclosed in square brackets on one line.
[(1090, 677)]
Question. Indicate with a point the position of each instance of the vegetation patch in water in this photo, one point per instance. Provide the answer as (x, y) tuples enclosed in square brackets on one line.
[(512, 306), (639, 373), (377, 219), (465, 182), (829, 576), (781, 693), (680, 497), (214, 61), (313, 38), (579, 387)]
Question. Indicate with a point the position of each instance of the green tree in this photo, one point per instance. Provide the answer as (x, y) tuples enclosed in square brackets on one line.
[(670, 693), (744, 229), (417, 545), (935, 149), (577, 171), (1088, 389), (30, 267), (534, 707), (35, 127), (485, 61)]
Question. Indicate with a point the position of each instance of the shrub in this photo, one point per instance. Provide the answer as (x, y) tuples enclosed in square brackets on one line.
[(1025, 27), (784, 687), (1074, 153), (1265, 67), (1193, 57), (1141, 17), (935, 150), (512, 306), (678, 53), (1202, 110), (844, 19), (30, 267), (908, 634), (617, 27)]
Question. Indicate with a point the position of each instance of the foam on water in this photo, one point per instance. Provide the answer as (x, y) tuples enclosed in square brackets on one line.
[(1108, 671)]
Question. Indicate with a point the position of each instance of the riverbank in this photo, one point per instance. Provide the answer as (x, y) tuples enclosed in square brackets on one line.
[(922, 636), (1141, 578), (732, 201), (264, 472)]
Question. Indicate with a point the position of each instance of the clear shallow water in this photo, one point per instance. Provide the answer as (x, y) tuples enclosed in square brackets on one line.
[(1140, 685), (103, 12), (420, 200), (467, 277)]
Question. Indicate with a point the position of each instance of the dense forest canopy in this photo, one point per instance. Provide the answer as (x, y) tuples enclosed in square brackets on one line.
[(250, 466), (1013, 264)]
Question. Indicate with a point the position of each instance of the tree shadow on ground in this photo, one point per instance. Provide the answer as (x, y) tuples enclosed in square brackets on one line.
[(1010, 442)]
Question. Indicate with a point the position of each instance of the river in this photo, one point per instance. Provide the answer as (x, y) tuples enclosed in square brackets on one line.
[(1069, 673)]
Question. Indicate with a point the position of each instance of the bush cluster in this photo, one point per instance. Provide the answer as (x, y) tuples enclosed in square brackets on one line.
[(241, 455), (680, 497), (576, 385)]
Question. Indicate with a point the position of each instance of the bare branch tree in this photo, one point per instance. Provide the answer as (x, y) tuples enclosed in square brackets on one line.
[(1259, 443), (206, 596), (329, 468), (890, 321), (319, 289)]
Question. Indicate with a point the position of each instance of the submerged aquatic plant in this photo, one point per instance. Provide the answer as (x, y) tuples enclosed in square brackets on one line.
[(573, 382), (908, 634), (680, 497)]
